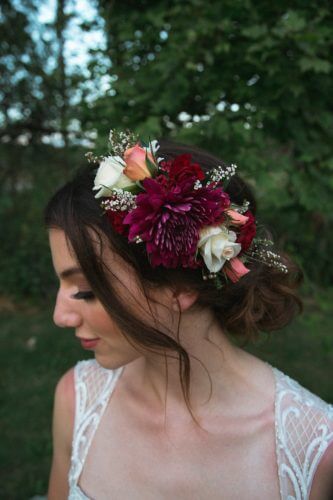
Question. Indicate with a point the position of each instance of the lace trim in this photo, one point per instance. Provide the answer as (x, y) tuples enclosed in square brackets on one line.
[(303, 427), (93, 387), (304, 430), (77, 494)]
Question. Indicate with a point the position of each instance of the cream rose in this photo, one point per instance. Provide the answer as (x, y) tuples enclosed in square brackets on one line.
[(110, 175), (216, 245)]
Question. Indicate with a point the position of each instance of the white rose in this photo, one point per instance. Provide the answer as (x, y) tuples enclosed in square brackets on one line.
[(216, 245), (110, 175)]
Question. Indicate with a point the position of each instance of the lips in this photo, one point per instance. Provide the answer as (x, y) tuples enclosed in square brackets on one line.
[(88, 343)]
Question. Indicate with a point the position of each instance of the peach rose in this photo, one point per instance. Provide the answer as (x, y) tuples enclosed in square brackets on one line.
[(236, 270), (237, 219), (135, 159)]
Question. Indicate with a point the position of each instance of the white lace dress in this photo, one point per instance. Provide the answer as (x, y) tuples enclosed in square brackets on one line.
[(303, 427)]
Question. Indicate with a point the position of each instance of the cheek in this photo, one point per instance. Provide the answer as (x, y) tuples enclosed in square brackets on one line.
[(100, 321)]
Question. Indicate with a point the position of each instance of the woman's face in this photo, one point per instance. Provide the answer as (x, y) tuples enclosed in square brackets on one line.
[(76, 307)]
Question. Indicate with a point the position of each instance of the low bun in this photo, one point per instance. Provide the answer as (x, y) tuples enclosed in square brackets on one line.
[(264, 300)]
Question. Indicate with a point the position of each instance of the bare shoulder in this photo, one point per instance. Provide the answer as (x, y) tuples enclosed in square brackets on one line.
[(62, 433), (64, 407), (65, 393), (322, 486)]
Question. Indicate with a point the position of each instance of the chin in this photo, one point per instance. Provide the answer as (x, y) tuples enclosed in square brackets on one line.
[(111, 363)]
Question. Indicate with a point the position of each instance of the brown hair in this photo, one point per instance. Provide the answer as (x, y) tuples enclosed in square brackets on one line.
[(263, 300)]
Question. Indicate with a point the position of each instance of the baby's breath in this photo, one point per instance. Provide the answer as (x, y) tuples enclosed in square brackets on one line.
[(121, 140), (259, 251), (92, 158), (119, 200), (241, 209), (221, 173), (197, 185)]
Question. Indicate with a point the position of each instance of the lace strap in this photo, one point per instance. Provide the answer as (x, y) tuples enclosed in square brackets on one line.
[(93, 388), (304, 430)]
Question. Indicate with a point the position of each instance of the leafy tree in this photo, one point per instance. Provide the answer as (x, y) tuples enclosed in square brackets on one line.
[(26, 102), (250, 80), (34, 97)]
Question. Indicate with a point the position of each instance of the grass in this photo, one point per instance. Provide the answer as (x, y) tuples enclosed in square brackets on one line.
[(35, 354)]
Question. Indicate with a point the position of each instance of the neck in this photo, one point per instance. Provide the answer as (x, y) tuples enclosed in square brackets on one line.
[(220, 372)]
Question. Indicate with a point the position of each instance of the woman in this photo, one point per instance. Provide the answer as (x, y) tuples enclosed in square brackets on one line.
[(160, 265)]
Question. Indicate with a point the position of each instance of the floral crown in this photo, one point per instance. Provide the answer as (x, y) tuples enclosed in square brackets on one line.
[(182, 215)]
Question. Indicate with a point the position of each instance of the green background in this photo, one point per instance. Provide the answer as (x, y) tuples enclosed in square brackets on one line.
[(248, 80)]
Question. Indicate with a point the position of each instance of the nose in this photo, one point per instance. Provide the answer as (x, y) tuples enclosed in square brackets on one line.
[(64, 314)]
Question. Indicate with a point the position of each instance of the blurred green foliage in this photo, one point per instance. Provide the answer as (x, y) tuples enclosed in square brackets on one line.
[(31, 365), (248, 80), (26, 269)]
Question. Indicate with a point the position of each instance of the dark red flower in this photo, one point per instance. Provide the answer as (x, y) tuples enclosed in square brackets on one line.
[(168, 218), (117, 221), (247, 232), (181, 168)]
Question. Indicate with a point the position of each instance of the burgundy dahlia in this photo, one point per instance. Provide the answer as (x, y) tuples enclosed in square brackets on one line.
[(181, 169), (247, 232), (168, 218), (117, 221)]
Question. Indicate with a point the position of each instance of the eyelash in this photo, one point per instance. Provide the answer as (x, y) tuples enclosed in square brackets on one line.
[(83, 296)]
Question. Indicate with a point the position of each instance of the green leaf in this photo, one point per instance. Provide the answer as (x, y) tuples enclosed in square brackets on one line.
[(315, 64), (151, 166), (256, 31), (135, 189)]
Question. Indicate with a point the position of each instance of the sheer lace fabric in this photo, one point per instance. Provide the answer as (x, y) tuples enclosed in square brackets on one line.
[(93, 388), (303, 428)]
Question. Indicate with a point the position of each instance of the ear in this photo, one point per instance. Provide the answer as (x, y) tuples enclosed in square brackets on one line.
[(183, 300)]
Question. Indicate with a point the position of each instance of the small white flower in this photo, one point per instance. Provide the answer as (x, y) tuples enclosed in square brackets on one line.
[(110, 175), (197, 185), (153, 148), (216, 245)]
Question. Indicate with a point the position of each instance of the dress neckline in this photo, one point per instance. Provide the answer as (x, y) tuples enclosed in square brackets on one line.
[(276, 374)]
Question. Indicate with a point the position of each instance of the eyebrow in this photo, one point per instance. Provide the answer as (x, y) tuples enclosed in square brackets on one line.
[(70, 272)]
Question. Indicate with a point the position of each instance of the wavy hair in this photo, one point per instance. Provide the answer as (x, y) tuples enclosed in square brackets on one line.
[(265, 299)]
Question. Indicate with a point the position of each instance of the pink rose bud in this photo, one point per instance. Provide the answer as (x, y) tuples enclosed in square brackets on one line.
[(237, 269), (135, 159), (237, 219)]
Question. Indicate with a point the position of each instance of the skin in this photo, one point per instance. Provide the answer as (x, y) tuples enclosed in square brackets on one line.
[(242, 385), (207, 342)]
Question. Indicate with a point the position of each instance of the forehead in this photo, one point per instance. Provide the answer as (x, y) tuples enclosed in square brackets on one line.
[(62, 254)]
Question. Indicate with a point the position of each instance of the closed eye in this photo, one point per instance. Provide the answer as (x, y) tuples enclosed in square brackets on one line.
[(87, 295)]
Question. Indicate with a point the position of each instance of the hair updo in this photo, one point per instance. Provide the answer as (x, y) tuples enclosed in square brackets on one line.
[(263, 300)]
